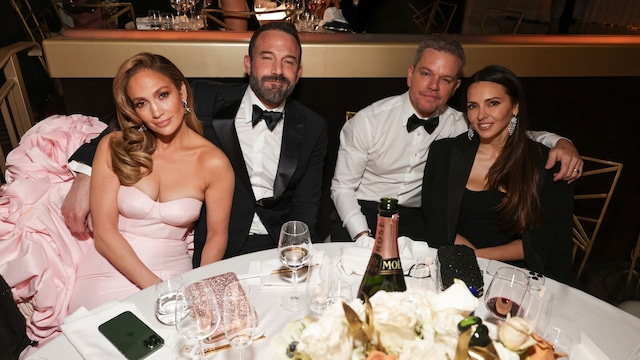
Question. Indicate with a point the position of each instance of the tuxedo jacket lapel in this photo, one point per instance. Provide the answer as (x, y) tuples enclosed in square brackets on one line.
[(224, 125), (290, 149), (462, 157)]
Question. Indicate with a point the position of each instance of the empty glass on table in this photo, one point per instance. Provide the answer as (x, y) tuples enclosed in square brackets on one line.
[(197, 313), (320, 283), (239, 317)]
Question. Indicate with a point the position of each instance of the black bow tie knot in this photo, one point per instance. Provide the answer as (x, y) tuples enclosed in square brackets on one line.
[(415, 122), (271, 118)]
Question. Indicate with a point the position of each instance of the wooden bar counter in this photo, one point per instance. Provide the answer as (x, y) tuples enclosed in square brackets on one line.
[(97, 53)]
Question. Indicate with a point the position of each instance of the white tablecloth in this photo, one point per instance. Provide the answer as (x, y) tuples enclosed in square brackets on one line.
[(614, 331)]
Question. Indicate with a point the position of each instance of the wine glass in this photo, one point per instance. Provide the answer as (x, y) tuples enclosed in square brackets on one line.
[(537, 307), (197, 314), (506, 292), (182, 18), (320, 283), (239, 317), (294, 247), (293, 9)]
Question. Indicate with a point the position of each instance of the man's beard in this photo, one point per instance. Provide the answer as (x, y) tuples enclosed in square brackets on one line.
[(271, 95)]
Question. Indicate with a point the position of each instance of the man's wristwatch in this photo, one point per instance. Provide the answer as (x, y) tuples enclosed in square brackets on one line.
[(362, 233)]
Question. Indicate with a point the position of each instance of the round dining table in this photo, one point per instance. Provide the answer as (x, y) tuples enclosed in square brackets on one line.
[(612, 331)]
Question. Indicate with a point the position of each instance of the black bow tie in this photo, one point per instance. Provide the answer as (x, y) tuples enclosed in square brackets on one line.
[(271, 118), (430, 124)]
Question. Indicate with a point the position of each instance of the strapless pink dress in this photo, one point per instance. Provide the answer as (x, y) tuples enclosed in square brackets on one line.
[(156, 231)]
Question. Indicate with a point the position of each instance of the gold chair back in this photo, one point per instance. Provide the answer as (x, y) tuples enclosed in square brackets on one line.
[(36, 29), (502, 19), (591, 202), (110, 11), (15, 109), (349, 115), (635, 254), (435, 17)]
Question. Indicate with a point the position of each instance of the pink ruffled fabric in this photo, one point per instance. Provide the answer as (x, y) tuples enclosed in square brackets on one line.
[(38, 254)]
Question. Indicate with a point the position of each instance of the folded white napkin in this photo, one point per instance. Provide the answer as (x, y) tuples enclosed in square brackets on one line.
[(354, 259), (142, 23), (333, 14), (81, 329), (280, 280)]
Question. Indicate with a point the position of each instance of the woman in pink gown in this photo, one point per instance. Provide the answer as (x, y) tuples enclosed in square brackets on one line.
[(148, 184)]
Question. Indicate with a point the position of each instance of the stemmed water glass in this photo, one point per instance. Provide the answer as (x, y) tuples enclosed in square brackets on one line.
[(239, 317), (294, 248), (506, 292), (197, 314)]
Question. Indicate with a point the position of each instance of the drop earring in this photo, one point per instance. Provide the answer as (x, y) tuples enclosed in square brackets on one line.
[(186, 108), (512, 124), (470, 133)]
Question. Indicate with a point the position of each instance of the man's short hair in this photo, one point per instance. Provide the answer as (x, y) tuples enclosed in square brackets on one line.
[(278, 26), (441, 43)]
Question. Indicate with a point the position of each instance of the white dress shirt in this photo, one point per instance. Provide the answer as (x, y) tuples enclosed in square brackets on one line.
[(261, 151), (378, 158)]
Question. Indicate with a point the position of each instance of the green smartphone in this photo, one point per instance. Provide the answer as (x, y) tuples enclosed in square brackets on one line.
[(133, 338)]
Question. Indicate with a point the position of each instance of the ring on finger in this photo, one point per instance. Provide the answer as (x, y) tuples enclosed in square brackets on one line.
[(576, 170)]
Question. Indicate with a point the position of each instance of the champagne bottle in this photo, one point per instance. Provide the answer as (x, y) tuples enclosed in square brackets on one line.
[(384, 271)]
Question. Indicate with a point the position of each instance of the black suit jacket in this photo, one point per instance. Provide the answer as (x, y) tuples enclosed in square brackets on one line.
[(298, 184), (547, 248)]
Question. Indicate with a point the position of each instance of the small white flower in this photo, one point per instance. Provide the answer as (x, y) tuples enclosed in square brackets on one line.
[(515, 334)]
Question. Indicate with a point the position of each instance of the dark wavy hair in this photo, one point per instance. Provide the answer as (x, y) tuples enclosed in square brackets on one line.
[(131, 152), (517, 167), (285, 27)]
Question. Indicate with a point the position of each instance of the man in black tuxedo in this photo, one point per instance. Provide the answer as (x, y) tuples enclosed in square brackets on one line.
[(276, 145)]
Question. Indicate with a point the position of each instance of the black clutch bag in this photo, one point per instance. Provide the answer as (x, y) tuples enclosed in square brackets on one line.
[(337, 26)]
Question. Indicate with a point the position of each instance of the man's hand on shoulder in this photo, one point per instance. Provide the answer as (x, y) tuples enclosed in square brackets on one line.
[(569, 158), (75, 208)]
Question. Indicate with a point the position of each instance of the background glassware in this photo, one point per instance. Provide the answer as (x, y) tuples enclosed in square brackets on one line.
[(297, 7), (166, 21), (197, 313), (153, 17), (182, 7), (562, 342), (294, 247), (506, 292), (166, 292), (320, 283), (239, 317), (536, 308)]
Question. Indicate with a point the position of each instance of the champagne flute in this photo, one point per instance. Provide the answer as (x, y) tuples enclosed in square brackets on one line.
[(506, 292), (197, 314), (294, 247), (239, 317)]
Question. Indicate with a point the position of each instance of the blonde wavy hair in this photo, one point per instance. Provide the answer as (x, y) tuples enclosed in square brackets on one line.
[(131, 152)]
